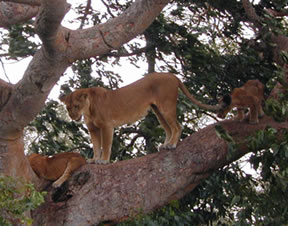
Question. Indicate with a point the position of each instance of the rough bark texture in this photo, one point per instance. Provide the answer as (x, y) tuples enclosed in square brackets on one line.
[(11, 13), (98, 193)]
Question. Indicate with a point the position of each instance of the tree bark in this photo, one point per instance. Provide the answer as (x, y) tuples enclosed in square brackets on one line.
[(101, 193), (11, 13)]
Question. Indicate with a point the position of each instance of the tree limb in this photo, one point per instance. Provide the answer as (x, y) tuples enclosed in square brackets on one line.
[(98, 193), (48, 23), (115, 32), (11, 13), (26, 2)]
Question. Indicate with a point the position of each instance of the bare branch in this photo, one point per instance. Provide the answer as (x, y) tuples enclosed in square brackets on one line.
[(11, 13), (49, 21), (115, 32), (108, 9), (88, 6), (26, 2)]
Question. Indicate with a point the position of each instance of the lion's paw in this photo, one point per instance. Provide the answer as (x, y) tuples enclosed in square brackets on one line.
[(166, 147), (57, 184), (101, 162), (97, 161)]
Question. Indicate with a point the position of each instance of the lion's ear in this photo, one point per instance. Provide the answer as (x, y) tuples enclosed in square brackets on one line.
[(227, 99), (62, 97)]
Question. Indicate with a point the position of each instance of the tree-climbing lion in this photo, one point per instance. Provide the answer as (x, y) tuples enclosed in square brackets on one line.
[(56, 168), (250, 95), (104, 109)]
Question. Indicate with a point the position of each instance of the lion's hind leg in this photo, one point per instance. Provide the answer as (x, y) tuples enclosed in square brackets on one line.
[(168, 121), (73, 164), (163, 123)]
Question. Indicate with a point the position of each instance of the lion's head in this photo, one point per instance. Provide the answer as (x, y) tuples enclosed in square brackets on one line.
[(75, 102), (225, 102)]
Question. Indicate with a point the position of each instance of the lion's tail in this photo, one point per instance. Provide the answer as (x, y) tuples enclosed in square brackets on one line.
[(199, 104)]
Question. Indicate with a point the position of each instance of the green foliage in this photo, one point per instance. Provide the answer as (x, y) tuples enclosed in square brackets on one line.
[(278, 108), (169, 215), (19, 41), (52, 133), (16, 200), (271, 165), (232, 146)]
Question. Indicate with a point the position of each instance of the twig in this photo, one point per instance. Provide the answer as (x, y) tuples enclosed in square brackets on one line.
[(88, 6), (108, 9)]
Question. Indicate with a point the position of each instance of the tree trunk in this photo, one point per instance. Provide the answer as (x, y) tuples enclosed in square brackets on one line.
[(98, 193)]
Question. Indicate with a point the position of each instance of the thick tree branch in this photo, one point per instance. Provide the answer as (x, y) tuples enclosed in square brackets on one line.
[(48, 23), (115, 32), (100, 193), (26, 2), (11, 13)]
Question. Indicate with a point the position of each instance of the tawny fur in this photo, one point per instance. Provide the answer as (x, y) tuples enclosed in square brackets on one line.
[(56, 168), (104, 109), (249, 96)]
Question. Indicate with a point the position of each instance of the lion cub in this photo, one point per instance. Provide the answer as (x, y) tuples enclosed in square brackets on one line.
[(103, 109), (57, 168), (250, 95)]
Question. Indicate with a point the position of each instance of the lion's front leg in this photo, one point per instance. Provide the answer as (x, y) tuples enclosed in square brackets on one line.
[(95, 134), (107, 139)]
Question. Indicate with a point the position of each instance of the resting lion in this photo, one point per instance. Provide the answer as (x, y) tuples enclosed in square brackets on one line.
[(104, 109), (57, 168)]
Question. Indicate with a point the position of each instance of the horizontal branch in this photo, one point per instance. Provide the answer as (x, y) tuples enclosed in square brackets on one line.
[(98, 193), (12, 13), (26, 2), (103, 38)]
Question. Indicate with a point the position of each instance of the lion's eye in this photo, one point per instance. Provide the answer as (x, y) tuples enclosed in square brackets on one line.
[(76, 106)]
